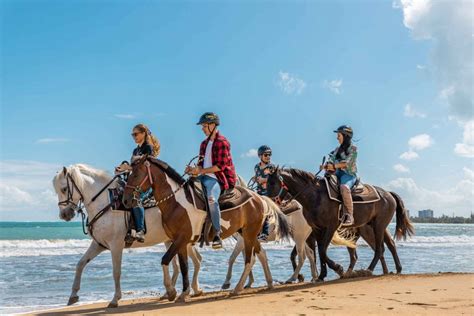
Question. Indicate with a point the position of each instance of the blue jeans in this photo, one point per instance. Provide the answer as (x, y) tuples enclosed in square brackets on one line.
[(213, 191), (139, 213), (345, 178)]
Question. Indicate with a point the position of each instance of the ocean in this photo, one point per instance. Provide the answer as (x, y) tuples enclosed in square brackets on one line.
[(38, 259)]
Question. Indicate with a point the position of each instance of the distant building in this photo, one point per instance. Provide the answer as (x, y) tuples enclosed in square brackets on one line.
[(408, 213), (425, 214)]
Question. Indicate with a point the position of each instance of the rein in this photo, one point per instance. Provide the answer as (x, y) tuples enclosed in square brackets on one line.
[(284, 187)]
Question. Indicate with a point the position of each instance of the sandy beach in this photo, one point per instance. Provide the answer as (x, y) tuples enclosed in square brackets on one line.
[(418, 294)]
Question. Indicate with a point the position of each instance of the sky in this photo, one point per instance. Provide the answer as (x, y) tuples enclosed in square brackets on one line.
[(76, 76)]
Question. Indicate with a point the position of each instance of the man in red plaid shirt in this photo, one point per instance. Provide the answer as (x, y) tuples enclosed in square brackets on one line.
[(215, 169)]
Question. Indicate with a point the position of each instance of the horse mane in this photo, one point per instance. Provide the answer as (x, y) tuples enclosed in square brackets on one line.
[(168, 170), (307, 177), (77, 171)]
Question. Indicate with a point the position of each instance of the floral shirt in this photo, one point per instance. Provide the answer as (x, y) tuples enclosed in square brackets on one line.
[(260, 172), (350, 159)]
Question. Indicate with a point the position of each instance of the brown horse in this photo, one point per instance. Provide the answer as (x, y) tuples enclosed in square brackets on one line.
[(322, 213), (183, 212)]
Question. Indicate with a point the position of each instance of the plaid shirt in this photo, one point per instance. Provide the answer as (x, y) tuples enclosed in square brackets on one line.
[(222, 158)]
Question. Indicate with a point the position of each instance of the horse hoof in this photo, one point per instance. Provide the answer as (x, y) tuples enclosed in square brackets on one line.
[(300, 278), (319, 280), (290, 281), (181, 298), (198, 293), (270, 287), (248, 286), (234, 293), (172, 295), (340, 271), (225, 286), (112, 305), (315, 280), (73, 300)]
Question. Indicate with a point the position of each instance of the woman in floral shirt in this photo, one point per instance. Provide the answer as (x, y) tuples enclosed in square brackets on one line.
[(343, 160)]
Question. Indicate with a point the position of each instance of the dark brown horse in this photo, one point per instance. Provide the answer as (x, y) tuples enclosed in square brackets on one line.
[(183, 213), (322, 213)]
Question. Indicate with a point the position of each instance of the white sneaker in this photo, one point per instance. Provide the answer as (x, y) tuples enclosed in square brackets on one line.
[(140, 236)]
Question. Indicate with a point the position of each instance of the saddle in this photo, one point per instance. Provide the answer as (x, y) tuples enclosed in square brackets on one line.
[(291, 207), (115, 195), (361, 193)]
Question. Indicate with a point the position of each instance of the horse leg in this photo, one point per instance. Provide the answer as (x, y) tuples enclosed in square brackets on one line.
[(326, 240), (379, 235), (322, 256), (165, 261), (391, 246), (353, 257), (239, 246), (249, 260), (175, 263), (262, 257), (250, 281), (300, 244), (367, 232), (183, 263), (92, 252), (196, 258), (117, 270), (310, 253)]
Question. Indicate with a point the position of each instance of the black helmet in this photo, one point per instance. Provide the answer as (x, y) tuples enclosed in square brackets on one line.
[(209, 117), (345, 130), (264, 149)]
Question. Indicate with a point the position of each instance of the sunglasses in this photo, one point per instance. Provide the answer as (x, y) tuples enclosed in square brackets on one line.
[(267, 155), (135, 134)]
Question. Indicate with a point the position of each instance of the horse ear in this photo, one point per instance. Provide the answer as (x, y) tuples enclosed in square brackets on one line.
[(64, 170)]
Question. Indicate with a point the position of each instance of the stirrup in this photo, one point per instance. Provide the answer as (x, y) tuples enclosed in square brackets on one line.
[(217, 243), (348, 220)]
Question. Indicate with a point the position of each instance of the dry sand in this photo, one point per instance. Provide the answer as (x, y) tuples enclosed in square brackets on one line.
[(427, 294)]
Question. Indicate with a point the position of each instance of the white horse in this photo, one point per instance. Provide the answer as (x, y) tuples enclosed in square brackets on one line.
[(300, 231), (77, 185)]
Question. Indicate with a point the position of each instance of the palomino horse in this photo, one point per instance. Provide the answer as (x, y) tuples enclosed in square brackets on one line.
[(76, 186), (184, 215), (322, 213)]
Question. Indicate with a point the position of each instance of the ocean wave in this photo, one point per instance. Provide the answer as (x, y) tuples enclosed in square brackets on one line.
[(60, 247)]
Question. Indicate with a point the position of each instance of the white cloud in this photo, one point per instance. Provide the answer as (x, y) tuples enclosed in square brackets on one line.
[(409, 155), (457, 199), (334, 85), (466, 148), (51, 140), (421, 67), (125, 116), (251, 153), (449, 25), (291, 84), (25, 186), (401, 168), (409, 111), (420, 142)]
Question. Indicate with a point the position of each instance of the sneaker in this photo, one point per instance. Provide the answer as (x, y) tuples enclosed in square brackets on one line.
[(140, 236), (348, 221), (217, 243), (262, 237)]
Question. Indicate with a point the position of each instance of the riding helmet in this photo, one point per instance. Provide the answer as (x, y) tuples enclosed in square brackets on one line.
[(264, 149), (345, 130), (208, 118)]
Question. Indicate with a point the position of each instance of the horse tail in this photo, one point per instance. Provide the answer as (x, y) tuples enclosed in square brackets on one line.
[(404, 227), (344, 237), (283, 229)]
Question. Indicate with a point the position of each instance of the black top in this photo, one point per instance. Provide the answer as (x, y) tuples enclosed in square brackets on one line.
[(144, 149)]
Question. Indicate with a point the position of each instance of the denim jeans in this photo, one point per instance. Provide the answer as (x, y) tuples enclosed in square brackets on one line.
[(213, 191), (139, 213), (345, 178)]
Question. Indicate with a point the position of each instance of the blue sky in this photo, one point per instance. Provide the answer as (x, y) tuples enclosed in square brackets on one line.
[(78, 75)]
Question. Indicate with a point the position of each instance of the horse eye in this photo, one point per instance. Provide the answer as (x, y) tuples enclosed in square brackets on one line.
[(63, 190)]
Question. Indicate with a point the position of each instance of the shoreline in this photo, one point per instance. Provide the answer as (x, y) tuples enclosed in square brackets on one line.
[(445, 293)]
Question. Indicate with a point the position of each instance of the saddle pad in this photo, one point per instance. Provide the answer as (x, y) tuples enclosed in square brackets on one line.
[(291, 207), (368, 195), (234, 198)]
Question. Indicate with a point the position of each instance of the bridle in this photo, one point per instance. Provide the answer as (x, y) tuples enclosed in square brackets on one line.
[(283, 191), (138, 190), (71, 186)]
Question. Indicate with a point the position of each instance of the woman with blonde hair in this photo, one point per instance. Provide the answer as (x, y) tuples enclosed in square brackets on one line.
[(147, 144)]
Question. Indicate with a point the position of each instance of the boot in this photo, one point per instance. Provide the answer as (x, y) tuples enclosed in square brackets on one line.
[(140, 236), (348, 218)]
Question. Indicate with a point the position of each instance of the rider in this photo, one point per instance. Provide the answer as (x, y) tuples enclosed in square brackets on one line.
[(343, 161), (261, 177), (147, 144), (215, 168)]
